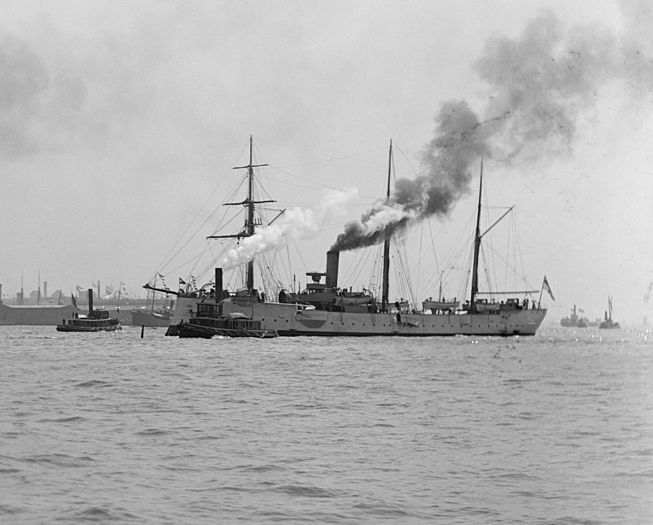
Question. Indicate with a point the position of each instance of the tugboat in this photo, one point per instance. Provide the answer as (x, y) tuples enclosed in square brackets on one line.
[(574, 320), (94, 321), (607, 319), (210, 320)]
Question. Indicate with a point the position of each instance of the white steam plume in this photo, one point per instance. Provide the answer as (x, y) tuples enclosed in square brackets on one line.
[(295, 223)]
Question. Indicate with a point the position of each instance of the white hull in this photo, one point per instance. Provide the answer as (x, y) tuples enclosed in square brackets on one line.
[(292, 319)]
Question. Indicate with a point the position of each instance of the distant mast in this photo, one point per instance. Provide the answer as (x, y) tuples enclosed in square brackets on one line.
[(385, 286), (250, 204), (477, 243)]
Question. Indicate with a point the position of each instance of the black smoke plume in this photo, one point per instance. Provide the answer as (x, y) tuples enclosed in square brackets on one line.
[(538, 86)]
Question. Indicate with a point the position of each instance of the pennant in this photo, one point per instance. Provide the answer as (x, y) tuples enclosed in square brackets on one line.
[(181, 282), (73, 300), (545, 286)]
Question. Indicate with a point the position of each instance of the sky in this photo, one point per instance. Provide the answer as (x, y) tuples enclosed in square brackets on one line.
[(120, 123)]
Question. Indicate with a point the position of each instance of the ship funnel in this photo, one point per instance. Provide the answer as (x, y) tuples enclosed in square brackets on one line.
[(90, 300), (333, 259), (218, 285)]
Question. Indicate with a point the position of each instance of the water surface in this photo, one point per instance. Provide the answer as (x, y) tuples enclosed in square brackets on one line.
[(556, 428)]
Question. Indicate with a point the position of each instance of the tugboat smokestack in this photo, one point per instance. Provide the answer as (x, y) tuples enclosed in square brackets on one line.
[(90, 299), (333, 259), (218, 285)]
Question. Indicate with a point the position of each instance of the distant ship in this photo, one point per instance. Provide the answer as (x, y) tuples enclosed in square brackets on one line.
[(95, 321), (326, 309), (48, 314), (159, 317), (153, 317), (574, 320), (607, 322)]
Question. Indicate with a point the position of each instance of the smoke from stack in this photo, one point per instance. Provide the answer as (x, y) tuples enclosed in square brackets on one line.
[(295, 222), (539, 86)]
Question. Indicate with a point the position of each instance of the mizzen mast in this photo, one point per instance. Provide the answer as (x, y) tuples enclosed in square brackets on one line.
[(250, 204), (477, 243)]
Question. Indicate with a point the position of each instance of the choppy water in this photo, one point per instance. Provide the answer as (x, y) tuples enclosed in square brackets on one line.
[(110, 427)]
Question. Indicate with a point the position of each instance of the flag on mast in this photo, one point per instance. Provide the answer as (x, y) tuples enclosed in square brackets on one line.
[(545, 286)]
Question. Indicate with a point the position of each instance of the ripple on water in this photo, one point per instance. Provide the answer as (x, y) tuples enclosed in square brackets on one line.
[(456, 430)]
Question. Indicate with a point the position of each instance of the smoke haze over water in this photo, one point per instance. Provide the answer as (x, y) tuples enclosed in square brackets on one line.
[(538, 88)]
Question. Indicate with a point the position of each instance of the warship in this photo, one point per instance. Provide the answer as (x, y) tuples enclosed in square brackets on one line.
[(326, 308)]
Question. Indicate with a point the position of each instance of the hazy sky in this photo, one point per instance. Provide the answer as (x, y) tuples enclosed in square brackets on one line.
[(120, 122)]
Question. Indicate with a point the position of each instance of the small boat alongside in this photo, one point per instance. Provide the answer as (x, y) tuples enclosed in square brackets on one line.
[(210, 321), (95, 320)]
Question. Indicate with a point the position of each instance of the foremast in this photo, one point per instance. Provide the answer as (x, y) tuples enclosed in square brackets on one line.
[(250, 204), (385, 285)]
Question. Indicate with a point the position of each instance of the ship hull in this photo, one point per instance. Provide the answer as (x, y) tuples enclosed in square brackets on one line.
[(34, 315), (149, 319), (185, 330), (296, 320), (67, 328)]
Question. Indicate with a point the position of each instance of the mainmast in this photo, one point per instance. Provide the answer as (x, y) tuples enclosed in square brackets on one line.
[(250, 204), (477, 243), (386, 245)]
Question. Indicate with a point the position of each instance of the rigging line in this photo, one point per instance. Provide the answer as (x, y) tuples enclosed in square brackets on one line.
[(263, 189), (419, 257), (411, 290), (518, 245), (210, 265), (491, 286), (400, 272), (490, 268), (318, 187), (468, 273), (218, 185), (435, 255), (214, 261), (272, 261), (333, 159), (195, 257), (299, 254), (288, 261), (277, 260), (181, 248), (171, 257), (355, 273), (373, 283), (517, 271), (408, 159), (505, 268)]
